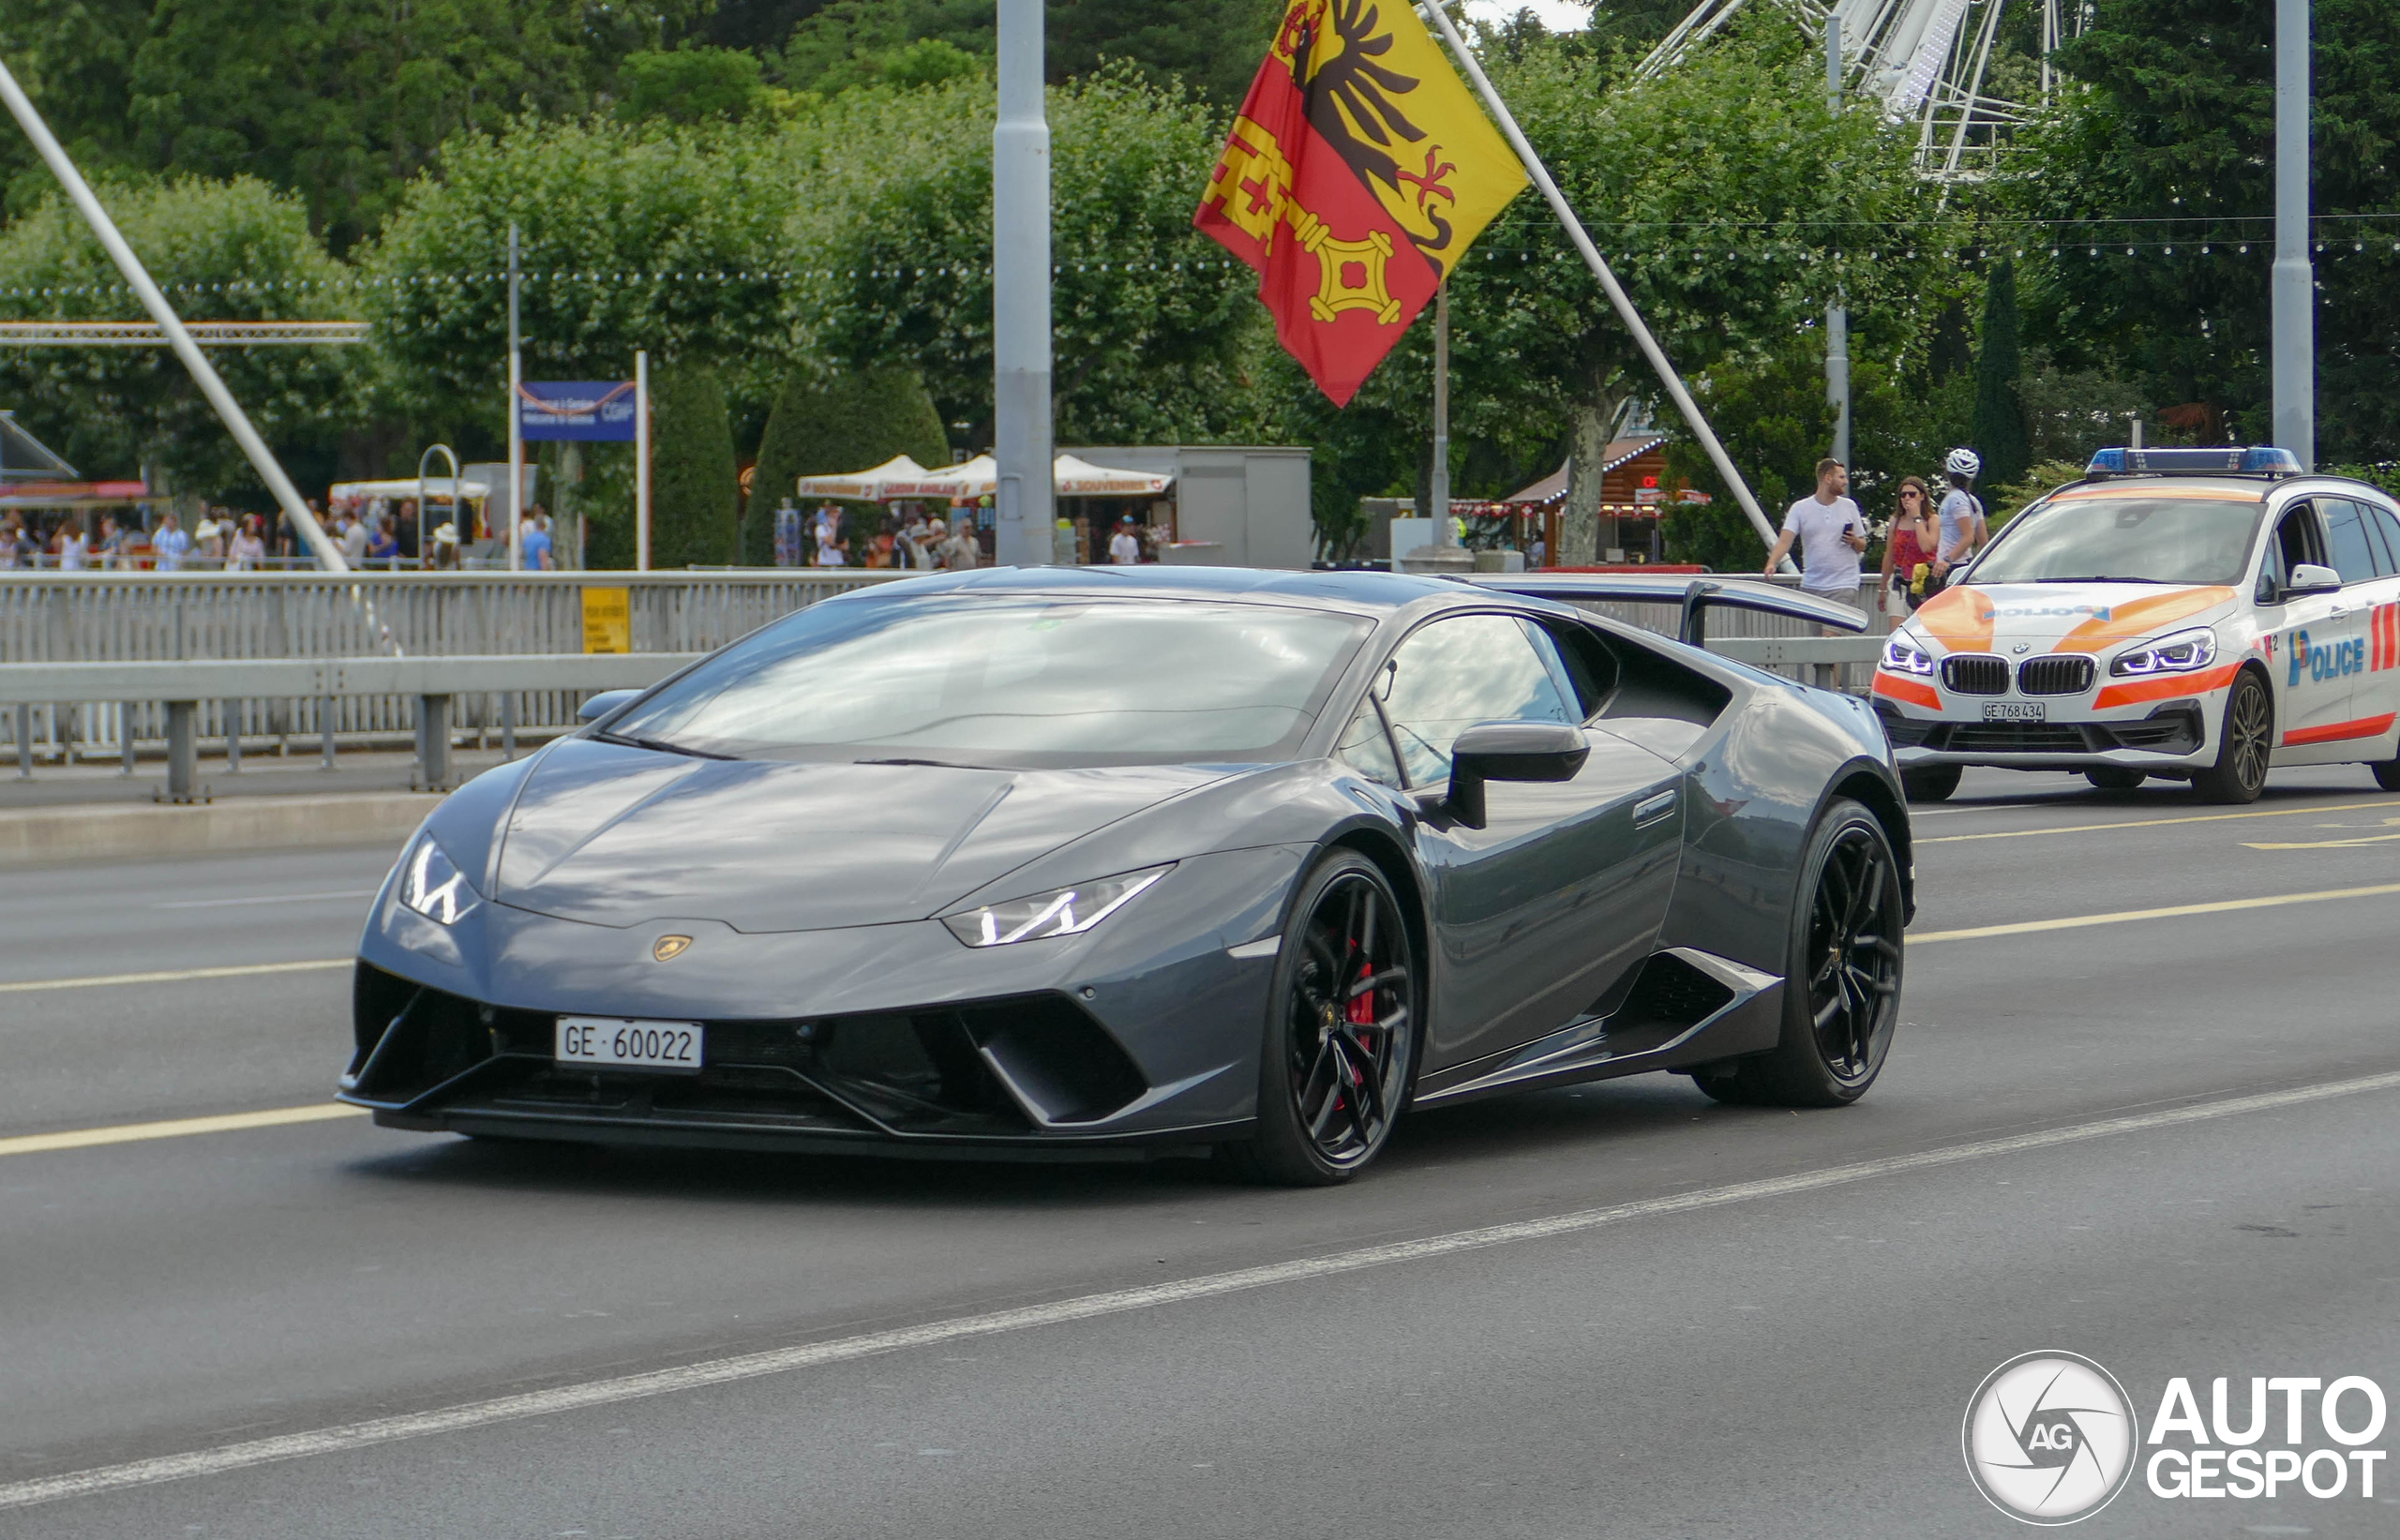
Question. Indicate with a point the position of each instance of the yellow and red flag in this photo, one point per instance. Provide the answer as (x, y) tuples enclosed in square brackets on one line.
[(1358, 174)]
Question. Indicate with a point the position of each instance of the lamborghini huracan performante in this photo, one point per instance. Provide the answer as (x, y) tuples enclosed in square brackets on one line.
[(1119, 862)]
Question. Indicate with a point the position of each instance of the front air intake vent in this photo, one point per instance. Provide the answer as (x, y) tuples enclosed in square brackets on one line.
[(2069, 675), (1975, 674)]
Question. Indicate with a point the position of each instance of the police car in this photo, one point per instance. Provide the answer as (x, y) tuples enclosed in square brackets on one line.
[(2193, 614)]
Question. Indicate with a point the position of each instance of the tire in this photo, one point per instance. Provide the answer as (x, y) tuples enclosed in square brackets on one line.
[(2243, 744), (1342, 1033), (2387, 774), (1842, 989), (1933, 784), (2111, 778)]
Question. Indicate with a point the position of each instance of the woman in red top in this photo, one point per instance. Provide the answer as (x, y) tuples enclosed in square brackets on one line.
[(1909, 550)]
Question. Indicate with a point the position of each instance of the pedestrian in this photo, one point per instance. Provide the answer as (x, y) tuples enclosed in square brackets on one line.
[(445, 546), (1832, 534), (74, 551), (248, 551), (1125, 546), (406, 536), (108, 551), (1963, 531), (354, 537), (382, 547), (534, 542), (1908, 552), (1537, 553), (287, 534), (169, 545), (962, 551)]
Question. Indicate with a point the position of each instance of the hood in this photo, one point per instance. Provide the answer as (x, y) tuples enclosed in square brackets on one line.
[(613, 835), (2064, 617)]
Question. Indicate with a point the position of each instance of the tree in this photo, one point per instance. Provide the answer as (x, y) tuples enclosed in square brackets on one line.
[(694, 484), (2175, 138), (692, 85), (823, 426), (892, 251), (223, 251), (2000, 412)]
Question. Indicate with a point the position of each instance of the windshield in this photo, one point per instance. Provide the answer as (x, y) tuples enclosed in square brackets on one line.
[(1010, 682), (2128, 539)]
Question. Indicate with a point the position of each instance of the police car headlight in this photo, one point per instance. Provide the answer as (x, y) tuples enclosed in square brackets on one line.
[(2178, 654), (1903, 656), (432, 885), (1062, 911)]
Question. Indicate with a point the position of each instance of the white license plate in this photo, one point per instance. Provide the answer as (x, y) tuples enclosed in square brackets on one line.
[(2015, 710), (611, 1042)]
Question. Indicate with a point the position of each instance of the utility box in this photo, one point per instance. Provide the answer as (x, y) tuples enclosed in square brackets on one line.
[(1235, 505)]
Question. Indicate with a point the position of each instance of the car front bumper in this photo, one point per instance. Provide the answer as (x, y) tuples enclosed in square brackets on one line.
[(2160, 734)]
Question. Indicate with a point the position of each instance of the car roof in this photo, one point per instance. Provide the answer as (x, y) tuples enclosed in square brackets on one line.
[(2240, 489), (1358, 592)]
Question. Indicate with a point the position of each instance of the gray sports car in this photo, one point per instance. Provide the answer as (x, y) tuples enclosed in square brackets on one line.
[(1081, 861)]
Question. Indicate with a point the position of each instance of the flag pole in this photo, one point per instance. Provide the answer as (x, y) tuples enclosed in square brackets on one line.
[(1575, 232)]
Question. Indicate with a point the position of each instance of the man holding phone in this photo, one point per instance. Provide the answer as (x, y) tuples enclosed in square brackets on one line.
[(1832, 534)]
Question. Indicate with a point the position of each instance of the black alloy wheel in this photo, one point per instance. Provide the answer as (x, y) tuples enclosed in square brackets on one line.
[(2386, 773), (2240, 773), (1841, 994), (1343, 1032)]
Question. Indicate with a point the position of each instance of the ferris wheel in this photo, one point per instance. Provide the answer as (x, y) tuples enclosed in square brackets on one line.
[(1925, 61)]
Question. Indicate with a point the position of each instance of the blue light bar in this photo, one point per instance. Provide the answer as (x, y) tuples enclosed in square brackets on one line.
[(2228, 461)]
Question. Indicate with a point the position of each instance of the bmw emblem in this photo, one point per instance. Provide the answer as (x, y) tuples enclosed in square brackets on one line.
[(2021, 649), (668, 947)]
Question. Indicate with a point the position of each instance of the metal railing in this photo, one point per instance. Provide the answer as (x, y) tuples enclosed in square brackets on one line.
[(122, 617)]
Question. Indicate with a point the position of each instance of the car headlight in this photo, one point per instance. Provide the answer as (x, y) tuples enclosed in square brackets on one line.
[(2178, 654), (432, 885), (1061, 911), (1903, 656)]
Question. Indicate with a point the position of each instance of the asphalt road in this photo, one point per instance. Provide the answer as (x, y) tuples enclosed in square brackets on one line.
[(1746, 1324)]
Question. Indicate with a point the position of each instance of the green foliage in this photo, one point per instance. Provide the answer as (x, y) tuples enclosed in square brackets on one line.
[(894, 257), (2178, 131), (221, 251), (1213, 47), (846, 422), (2003, 502), (2000, 413), (340, 101), (694, 481), (617, 225), (691, 85), (1775, 423)]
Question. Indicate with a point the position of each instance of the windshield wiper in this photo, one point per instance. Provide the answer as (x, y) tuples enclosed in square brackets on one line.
[(938, 764), (2100, 577), (658, 744)]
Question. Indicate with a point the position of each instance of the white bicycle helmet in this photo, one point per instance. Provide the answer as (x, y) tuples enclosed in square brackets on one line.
[(1963, 462)]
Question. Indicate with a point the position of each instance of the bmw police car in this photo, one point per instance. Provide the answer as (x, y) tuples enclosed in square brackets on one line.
[(2196, 614)]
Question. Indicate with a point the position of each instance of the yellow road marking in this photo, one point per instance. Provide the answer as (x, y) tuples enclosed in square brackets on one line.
[(2151, 823), (177, 1127), (2072, 922), (177, 975), (2319, 845)]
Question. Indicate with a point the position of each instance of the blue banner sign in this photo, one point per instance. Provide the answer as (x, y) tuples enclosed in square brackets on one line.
[(586, 410)]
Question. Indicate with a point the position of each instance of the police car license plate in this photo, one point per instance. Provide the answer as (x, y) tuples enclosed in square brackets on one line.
[(2015, 710), (608, 1042)]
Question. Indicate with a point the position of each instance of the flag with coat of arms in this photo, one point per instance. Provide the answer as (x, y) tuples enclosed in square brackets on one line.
[(1357, 173)]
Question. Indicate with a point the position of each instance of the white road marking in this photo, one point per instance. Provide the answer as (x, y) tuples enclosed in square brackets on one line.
[(176, 976), (270, 898), (2073, 922), (176, 1127), (751, 1366), (2144, 823)]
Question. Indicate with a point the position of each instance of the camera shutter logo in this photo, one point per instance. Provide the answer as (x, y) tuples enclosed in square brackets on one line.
[(2049, 1438)]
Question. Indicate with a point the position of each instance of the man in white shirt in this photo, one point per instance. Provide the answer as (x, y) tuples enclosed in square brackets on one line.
[(354, 537), (1125, 546), (1832, 534), (169, 545)]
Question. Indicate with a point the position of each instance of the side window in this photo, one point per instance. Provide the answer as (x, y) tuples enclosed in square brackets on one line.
[(1366, 748), (1579, 662), (1455, 673), (2295, 542), (2386, 528), (2346, 538)]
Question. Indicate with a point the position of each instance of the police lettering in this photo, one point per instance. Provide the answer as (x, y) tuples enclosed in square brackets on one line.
[(2329, 660)]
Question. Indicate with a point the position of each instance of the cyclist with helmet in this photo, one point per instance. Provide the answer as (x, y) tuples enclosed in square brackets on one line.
[(1962, 529)]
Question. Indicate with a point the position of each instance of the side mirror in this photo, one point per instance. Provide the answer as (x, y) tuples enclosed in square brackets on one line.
[(2266, 592), (603, 703), (1510, 751), (2308, 577)]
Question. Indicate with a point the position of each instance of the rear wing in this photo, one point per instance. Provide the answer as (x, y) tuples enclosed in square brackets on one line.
[(1696, 596)]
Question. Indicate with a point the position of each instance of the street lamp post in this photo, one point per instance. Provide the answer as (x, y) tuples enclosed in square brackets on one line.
[(1021, 294), (2295, 277)]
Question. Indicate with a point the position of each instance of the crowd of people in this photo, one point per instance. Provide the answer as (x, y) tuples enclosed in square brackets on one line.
[(224, 540), (1925, 542)]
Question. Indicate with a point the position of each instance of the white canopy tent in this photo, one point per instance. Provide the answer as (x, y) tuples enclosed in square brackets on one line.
[(979, 478), (869, 486)]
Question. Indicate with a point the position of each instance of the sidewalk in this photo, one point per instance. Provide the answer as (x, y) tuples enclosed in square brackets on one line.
[(95, 811)]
